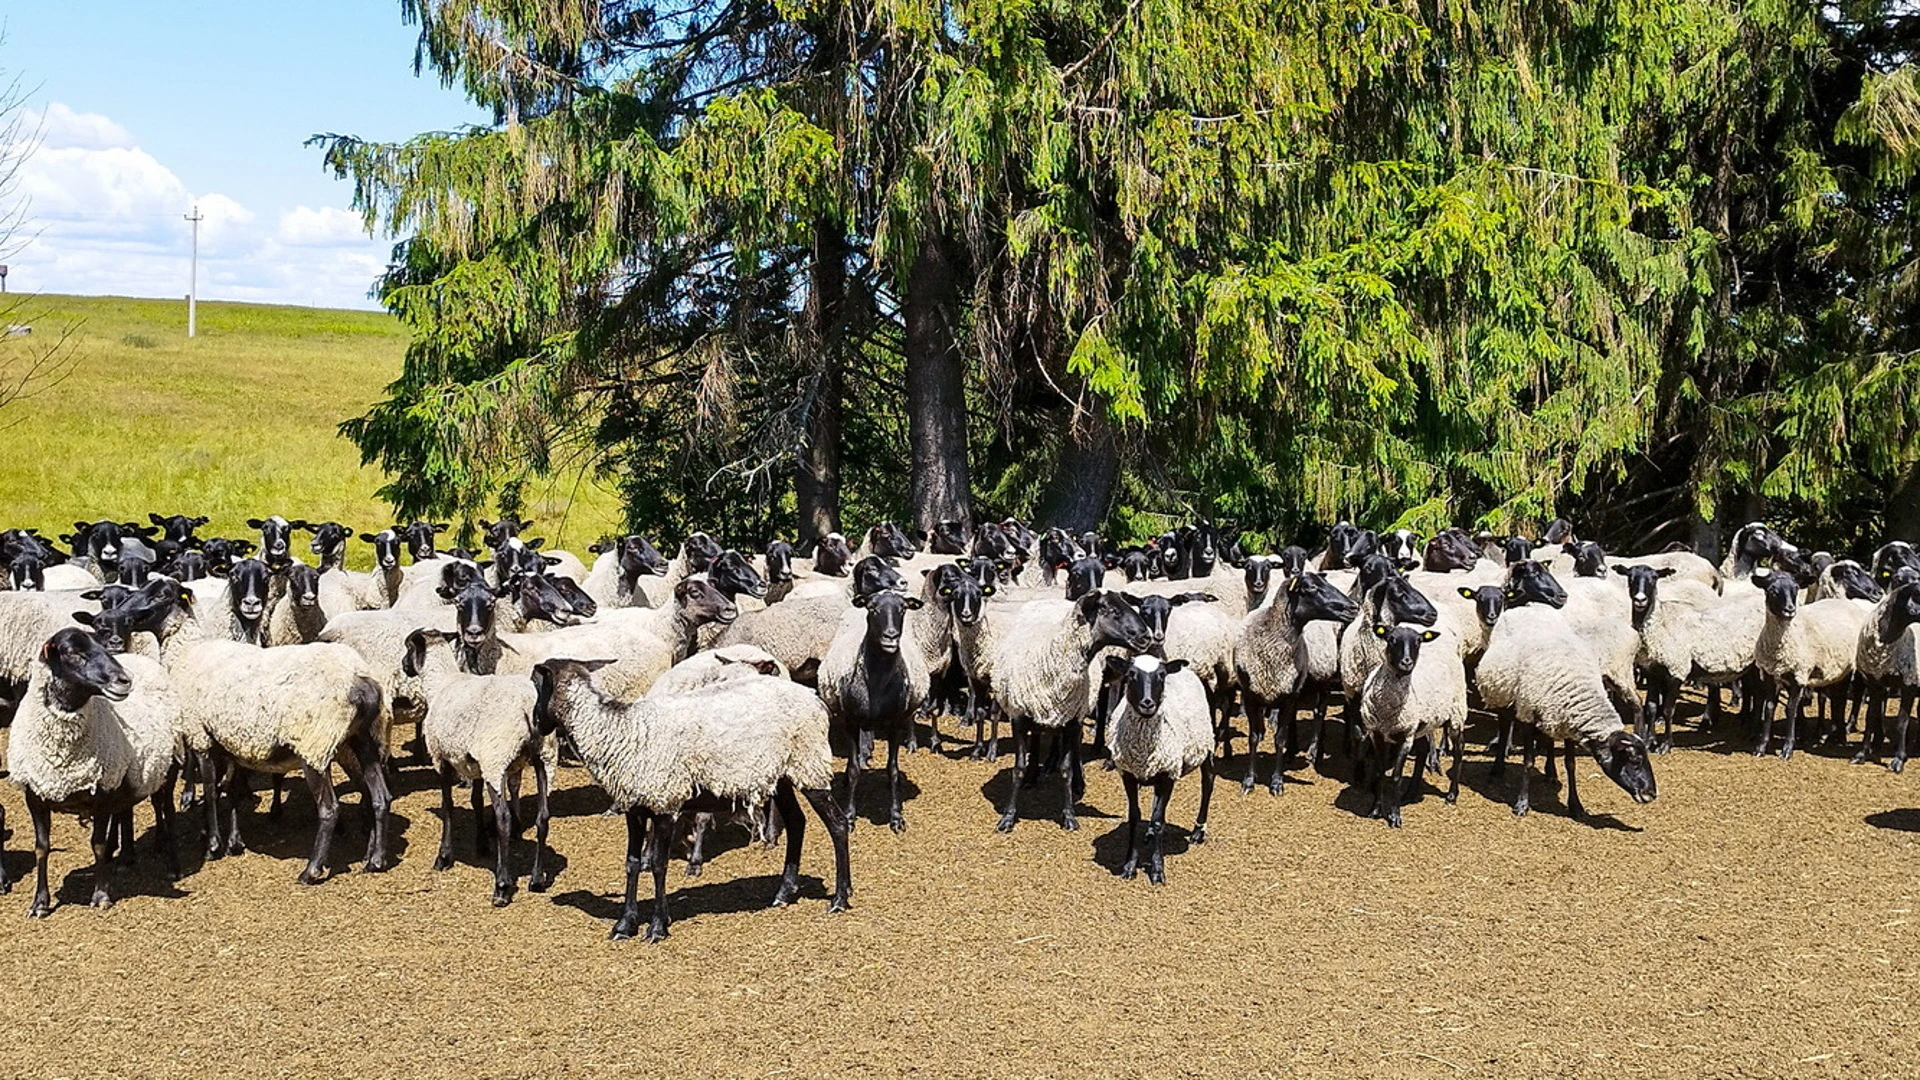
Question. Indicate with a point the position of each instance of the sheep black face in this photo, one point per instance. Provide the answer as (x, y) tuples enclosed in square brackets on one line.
[(1901, 611), (1854, 581), (1203, 549), (1643, 589), (1312, 598), (99, 541), (701, 603), (732, 574), (1293, 559), (80, 668), (1157, 611), (1405, 604), (832, 555), (458, 574), (1623, 757), (1114, 622), (28, 571), (1559, 531), (1528, 582), (779, 561), (1340, 542), (1018, 533), (1403, 644), (419, 538), (247, 589), (1517, 549), (990, 541), (497, 533), (873, 574), (948, 538), (1084, 576), (189, 565), (888, 541), (1403, 544), (887, 618), (965, 596), (1489, 602), (1783, 592), (701, 550), (1134, 564), (1143, 679), (1258, 574), (178, 528), (474, 605), (1589, 558), (303, 584), (1057, 550), (127, 612), (221, 552), (1892, 557), (541, 597), (1231, 549), (329, 542), (276, 535), (386, 548), (136, 565)]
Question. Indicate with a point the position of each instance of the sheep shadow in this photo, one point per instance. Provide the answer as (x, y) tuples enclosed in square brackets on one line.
[(737, 896), (1906, 819), (874, 804), (290, 835), (72, 884), (1044, 801), (519, 856), (1110, 848)]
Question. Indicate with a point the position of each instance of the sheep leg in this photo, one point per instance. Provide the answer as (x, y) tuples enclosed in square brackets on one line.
[(662, 836), (514, 817), (503, 823), (1076, 781), (1156, 830), (444, 860), (1872, 723), (1502, 743), (42, 816), (326, 803), (1429, 760), (1286, 710), (993, 743), (1011, 812), (162, 802), (103, 829), (482, 825), (215, 848), (1899, 760), (542, 876), (191, 771), (6, 886), (1102, 706), (1317, 752), (1396, 793), (701, 825), (1256, 734), (856, 760), (789, 808), (373, 776), (1574, 809), (629, 920), (229, 773), (1131, 783), (1459, 740), (1206, 800), (1551, 764), (895, 819), (279, 795), (822, 802), (1796, 705), (1520, 803)]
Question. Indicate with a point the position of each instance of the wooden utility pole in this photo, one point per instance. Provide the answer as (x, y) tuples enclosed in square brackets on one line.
[(193, 269)]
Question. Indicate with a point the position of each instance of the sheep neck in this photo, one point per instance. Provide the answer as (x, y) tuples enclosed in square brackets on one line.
[(613, 733)]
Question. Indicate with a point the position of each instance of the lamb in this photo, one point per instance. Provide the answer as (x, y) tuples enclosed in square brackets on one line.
[(1801, 648), (1413, 693), (93, 736), (296, 616), (645, 642), (1273, 661), (728, 745), (1040, 672), (480, 729), (617, 570), (1550, 680), (872, 680), (294, 708), (1161, 729)]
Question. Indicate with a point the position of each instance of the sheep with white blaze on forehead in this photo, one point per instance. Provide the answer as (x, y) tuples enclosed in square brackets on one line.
[(1161, 729), (723, 747), (1802, 647), (1413, 693)]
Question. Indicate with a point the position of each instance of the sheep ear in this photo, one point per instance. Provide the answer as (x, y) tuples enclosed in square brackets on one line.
[(441, 526), (84, 618), (485, 524), (534, 545), (90, 594), (1665, 571), (1380, 631), (986, 590), (1117, 666), (46, 652), (859, 599), (368, 537), (300, 524), (1174, 666), (156, 518), (914, 603), (1621, 570), (254, 523), (1466, 592), (1089, 606), (1429, 635)]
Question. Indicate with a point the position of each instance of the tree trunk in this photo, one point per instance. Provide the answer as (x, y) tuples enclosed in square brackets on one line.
[(816, 480), (936, 391), (1080, 491), (1903, 507)]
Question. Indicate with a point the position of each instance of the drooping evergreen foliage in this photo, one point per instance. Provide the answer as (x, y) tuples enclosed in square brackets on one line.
[(1413, 261)]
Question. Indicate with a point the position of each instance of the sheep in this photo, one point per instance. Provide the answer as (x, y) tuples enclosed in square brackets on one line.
[(27, 620), (251, 586), (1412, 693), (1160, 729), (294, 708), (1189, 627), (645, 642), (1844, 579), (94, 736), (696, 556), (715, 665), (1040, 672), (1540, 670), (1393, 602), (1689, 633), (872, 680), (799, 631), (480, 729), (1801, 648), (276, 536), (977, 630), (1273, 662), (1891, 557), (61, 577), (830, 556), (353, 590), (1885, 661), (296, 616), (617, 569), (887, 541), (728, 745)]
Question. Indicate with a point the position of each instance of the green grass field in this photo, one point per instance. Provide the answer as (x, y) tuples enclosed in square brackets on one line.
[(238, 422)]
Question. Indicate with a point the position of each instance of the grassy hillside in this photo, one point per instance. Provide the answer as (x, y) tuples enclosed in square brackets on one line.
[(236, 423)]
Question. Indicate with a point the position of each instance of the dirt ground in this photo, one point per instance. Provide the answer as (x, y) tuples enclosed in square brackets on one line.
[(1756, 920)]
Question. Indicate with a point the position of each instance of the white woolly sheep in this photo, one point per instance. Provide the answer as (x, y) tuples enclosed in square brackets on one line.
[(726, 746), (1274, 660), (1412, 693), (1802, 647), (1161, 729)]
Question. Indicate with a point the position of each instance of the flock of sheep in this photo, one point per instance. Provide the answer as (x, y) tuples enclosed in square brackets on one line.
[(134, 657)]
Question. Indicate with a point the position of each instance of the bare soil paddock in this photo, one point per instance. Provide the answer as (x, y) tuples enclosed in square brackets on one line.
[(1756, 921)]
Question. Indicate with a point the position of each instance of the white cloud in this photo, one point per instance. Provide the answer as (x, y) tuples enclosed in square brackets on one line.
[(103, 216)]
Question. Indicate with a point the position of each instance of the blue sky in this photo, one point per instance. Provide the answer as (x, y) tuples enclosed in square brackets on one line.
[(145, 108)]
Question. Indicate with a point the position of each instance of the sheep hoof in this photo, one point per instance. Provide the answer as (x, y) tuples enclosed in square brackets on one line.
[(1897, 764), (102, 901), (1069, 823), (1199, 835), (1393, 820), (501, 897), (1107, 765), (1246, 786), (379, 864), (311, 876), (656, 933), (540, 882), (5, 886), (38, 910), (1128, 873), (1006, 824), (1156, 877), (1786, 753), (693, 869), (1276, 786), (837, 905), (897, 823), (1520, 810), (444, 862), (1664, 746), (623, 930)]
